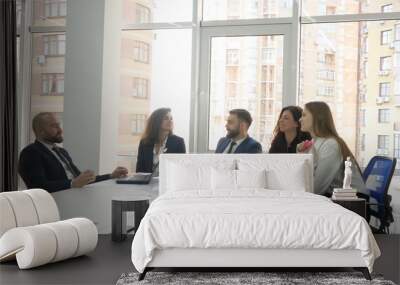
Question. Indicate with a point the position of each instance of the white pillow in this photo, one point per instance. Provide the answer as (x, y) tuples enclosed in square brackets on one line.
[(188, 175), (251, 178), (291, 178), (223, 179), (282, 174), (183, 178)]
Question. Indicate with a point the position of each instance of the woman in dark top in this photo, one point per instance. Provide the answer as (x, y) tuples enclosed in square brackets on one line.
[(287, 133), (157, 139)]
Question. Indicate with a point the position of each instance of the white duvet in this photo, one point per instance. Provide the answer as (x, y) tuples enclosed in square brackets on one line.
[(250, 219)]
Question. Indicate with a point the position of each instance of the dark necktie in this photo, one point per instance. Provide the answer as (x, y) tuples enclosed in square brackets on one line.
[(231, 147), (65, 161)]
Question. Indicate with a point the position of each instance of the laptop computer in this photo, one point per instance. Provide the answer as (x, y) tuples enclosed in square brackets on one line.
[(137, 178)]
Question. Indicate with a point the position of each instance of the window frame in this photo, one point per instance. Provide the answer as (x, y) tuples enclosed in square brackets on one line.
[(296, 20)]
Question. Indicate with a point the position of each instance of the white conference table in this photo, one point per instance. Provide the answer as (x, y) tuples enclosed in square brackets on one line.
[(94, 201)]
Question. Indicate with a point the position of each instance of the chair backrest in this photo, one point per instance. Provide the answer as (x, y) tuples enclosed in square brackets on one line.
[(26, 208), (377, 176)]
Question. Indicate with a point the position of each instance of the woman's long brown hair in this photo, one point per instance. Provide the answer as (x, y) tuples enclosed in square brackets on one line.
[(152, 131), (324, 127), (296, 112)]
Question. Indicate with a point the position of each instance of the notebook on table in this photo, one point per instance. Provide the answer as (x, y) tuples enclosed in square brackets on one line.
[(137, 178)]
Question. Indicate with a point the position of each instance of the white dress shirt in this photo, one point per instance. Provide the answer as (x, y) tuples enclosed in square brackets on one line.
[(50, 147)]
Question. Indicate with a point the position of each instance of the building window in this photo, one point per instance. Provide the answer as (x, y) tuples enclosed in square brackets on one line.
[(386, 37), (141, 52), (267, 90), (362, 142), (143, 14), (385, 62), (326, 75), (326, 91), (383, 143), (232, 57), (233, 9), (54, 45), (397, 32), (55, 8), (362, 117), (268, 55), (232, 89), (387, 8), (269, 8), (383, 115), (140, 87), (52, 84), (384, 89), (330, 58), (138, 123), (396, 147), (267, 107)]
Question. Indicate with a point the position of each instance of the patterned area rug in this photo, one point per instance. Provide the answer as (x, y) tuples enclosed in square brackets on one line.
[(229, 278)]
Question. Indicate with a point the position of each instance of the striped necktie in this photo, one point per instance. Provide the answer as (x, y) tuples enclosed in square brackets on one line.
[(231, 147), (65, 161)]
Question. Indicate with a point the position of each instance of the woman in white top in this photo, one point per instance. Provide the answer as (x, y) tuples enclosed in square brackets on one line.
[(329, 150)]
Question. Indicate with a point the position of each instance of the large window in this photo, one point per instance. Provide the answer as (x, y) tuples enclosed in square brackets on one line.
[(156, 11), (249, 77), (154, 73), (246, 9), (363, 82), (353, 66), (47, 57), (336, 7)]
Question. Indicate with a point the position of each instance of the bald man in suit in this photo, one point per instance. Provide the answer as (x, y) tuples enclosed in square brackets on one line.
[(44, 164)]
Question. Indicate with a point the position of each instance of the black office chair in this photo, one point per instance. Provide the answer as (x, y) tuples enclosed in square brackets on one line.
[(377, 176)]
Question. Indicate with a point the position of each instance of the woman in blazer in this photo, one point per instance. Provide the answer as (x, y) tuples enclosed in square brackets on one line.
[(158, 138), (287, 132), (329, 150)]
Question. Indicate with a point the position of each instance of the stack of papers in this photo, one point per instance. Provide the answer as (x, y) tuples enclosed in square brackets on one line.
[(344, 194)]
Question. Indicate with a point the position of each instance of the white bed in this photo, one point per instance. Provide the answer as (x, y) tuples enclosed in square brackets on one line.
[(213, 211)]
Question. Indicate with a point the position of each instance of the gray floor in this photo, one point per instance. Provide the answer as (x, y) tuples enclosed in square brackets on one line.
[(109, 260)]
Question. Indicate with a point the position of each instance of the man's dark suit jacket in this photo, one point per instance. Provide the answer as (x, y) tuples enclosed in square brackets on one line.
[(39, 168), (144, 163), (249, 145)]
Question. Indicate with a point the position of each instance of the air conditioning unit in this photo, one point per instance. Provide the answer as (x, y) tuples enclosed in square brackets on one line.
[(384, 72), (386, 99), (382, 151), (41, 59), (379, 100), (391, 45)]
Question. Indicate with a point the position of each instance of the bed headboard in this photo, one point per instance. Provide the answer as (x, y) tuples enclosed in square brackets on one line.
[(284, 160)]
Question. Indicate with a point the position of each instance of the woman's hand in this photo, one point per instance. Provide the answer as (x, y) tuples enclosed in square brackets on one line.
[(304, 146)]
